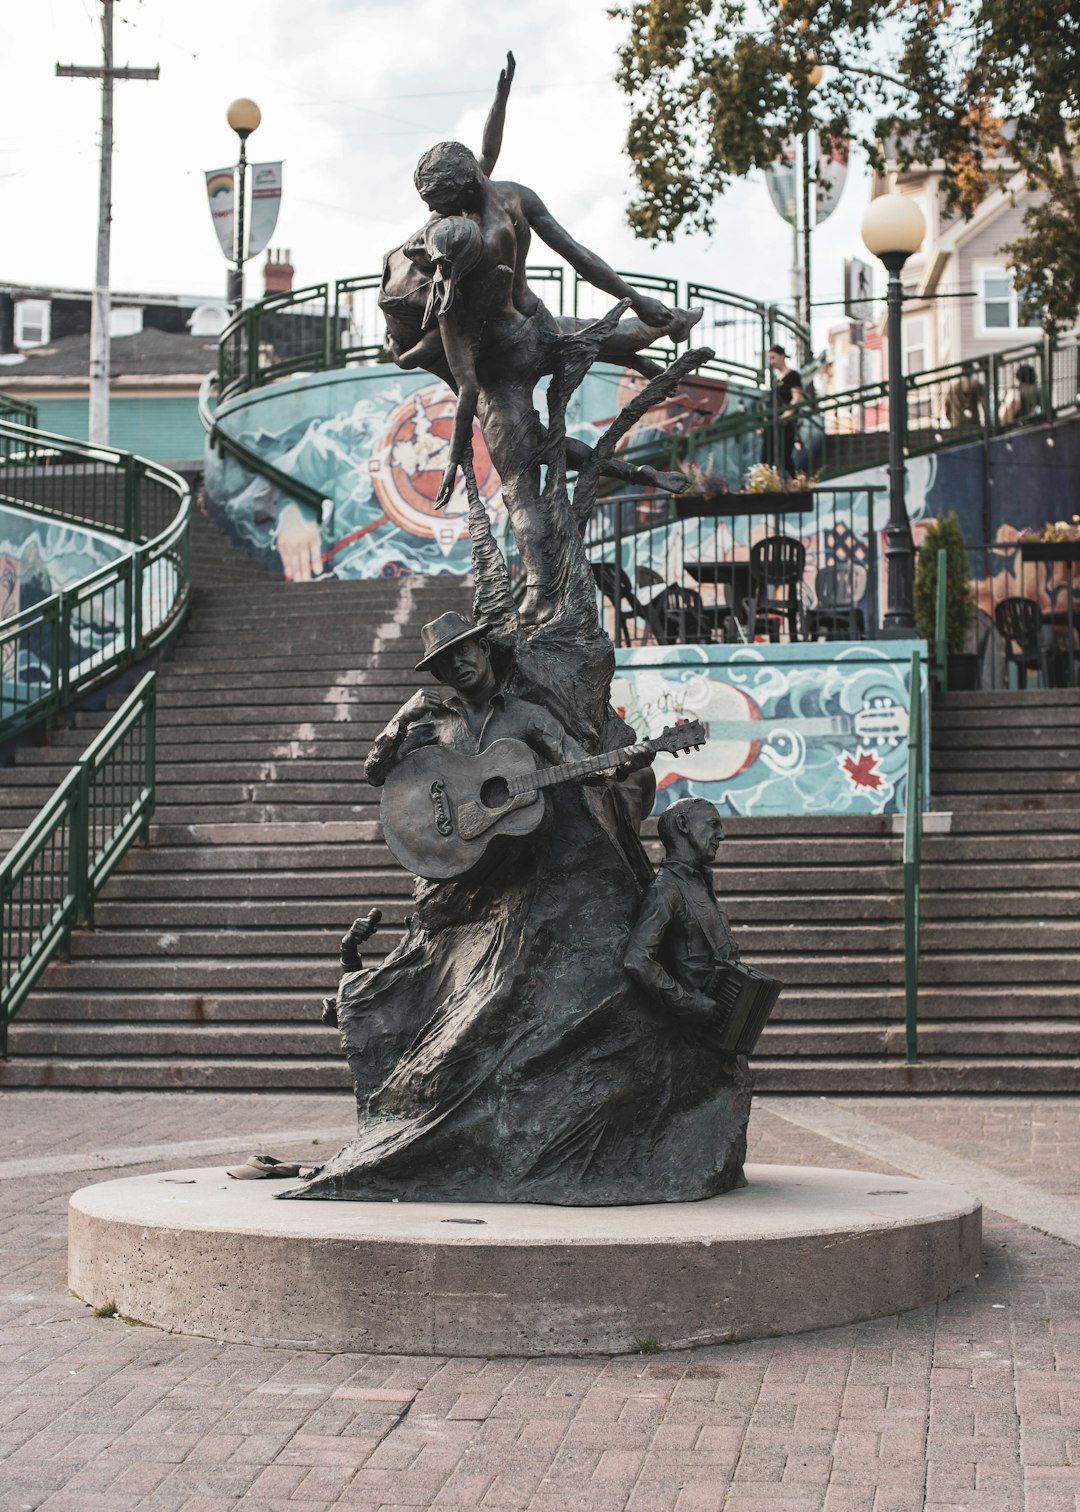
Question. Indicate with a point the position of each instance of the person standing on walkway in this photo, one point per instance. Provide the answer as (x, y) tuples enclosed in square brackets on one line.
[(778, 442)]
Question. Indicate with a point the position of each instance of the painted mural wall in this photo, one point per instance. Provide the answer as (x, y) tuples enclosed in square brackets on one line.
[(38, 558), (810, 728), (373, 441)]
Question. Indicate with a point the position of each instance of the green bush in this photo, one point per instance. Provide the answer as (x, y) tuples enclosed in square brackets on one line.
[(959, 591)]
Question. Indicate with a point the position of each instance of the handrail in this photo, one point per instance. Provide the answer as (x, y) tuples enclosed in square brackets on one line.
[(951, 405), (913, 863), (18, 411), (941, 645), (83, 635), (254, 461), (52, 875), (337, 324)]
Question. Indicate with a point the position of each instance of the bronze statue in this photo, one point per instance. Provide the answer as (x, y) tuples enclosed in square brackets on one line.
[(501, 1051), (681, 949), (495, 339)]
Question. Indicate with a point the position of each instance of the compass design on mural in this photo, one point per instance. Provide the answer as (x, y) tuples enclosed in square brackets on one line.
[(407, 467)]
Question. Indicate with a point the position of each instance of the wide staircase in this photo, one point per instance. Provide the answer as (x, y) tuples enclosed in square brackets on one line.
[(213, 945)]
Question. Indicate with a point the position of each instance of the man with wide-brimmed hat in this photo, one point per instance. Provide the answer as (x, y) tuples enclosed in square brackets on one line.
[(476, 713)]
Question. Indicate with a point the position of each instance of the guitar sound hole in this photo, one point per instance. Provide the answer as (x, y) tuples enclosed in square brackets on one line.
[(495, 793)]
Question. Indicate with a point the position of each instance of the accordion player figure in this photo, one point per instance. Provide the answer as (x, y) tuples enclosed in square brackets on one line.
[(681, 949)]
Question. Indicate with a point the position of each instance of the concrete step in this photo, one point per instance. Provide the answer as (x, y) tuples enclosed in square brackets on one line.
[(798, 1006), (771, 1074), (175, 972), (1031, 701), (313, 1040), (968, 758), (316, 909)]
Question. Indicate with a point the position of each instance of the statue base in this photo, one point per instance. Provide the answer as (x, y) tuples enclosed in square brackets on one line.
[(797, 1249)]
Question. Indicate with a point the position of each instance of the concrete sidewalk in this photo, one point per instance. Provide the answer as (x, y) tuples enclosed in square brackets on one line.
[(972, 1405)]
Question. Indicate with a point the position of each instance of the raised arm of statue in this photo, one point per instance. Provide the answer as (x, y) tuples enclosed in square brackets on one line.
[(491, 144), (585, 263)]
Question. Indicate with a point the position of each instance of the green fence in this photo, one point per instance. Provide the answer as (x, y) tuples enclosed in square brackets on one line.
[(49, 881), (945, 406), (332, 325), (17, 410), (80, 637), (913, 826)]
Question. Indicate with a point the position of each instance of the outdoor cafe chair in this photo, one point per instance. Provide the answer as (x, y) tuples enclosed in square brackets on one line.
[(839, 589), (777, 565), (614, 584), (1020, 622)]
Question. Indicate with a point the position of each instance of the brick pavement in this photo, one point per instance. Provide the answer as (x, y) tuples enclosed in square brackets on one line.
[(974, 1404)]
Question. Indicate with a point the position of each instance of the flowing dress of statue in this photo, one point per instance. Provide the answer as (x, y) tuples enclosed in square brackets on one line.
[(503, 1052)]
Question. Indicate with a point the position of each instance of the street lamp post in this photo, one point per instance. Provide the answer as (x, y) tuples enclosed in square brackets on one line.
[(892, 229), (244, 117)]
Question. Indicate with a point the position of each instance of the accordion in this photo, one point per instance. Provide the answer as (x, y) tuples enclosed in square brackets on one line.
[(744, 1000)]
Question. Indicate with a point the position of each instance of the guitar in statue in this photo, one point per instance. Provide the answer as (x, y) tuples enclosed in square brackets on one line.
[(442, 809)]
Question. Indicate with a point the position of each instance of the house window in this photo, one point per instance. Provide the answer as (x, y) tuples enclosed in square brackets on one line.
[(999, 305), (32, 323), (125, 320), (914, 330)]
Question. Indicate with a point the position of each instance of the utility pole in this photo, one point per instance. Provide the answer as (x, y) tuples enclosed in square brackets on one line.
[(99, 308)]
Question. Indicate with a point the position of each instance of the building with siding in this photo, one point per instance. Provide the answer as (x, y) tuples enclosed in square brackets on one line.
[(161, 348), (962, 303)]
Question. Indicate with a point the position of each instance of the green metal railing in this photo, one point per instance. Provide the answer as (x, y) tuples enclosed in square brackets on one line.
[(72, 642), (940, 671), (960, 403), (49, 881), (333, 325), (290, 487), (913, 862), (17, 410)]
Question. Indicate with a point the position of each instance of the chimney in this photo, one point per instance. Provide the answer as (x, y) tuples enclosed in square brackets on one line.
[(278, 272)]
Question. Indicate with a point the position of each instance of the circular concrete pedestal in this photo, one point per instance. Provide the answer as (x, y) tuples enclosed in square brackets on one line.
[(797, 1249)]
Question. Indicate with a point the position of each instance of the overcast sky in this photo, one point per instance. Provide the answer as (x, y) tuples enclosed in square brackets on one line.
[(351, 91)]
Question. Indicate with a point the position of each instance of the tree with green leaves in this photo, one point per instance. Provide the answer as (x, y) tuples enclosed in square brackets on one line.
[(982, 89)]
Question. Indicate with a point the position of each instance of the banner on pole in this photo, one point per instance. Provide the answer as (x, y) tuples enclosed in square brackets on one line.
[(265, 204), (781, 180), (831, 177), (221, 193)]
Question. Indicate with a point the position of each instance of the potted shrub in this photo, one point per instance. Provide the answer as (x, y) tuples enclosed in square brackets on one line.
[(944, 533)]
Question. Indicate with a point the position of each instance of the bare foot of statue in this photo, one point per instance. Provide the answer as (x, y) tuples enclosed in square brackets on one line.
[(684, 321)]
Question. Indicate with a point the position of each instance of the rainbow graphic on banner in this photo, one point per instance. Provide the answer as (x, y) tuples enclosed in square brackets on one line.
[(221, 194)]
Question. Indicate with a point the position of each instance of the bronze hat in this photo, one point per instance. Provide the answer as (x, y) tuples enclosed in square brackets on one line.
[(446, 631)]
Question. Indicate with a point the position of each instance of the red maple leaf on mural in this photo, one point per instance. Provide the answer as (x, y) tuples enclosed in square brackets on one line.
[(862, 769)]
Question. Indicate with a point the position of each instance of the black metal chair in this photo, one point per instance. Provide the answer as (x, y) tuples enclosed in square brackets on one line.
[(840, 590), (1020, 622), (777, 565), (684, 617), (615, 586)]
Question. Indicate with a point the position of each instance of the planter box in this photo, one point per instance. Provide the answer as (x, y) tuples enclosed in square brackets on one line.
[(719, 506), (1050, 551)]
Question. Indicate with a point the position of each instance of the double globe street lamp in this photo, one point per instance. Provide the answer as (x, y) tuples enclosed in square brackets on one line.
[(892, 229), (244, 117)]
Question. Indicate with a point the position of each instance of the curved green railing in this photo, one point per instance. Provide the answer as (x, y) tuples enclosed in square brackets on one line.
[(254, 461), (335, 325), (953, 405), (17, 410), (51, 877), (70, 643)]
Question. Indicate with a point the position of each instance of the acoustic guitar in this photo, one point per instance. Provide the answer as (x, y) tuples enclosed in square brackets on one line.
[(441, 809)]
